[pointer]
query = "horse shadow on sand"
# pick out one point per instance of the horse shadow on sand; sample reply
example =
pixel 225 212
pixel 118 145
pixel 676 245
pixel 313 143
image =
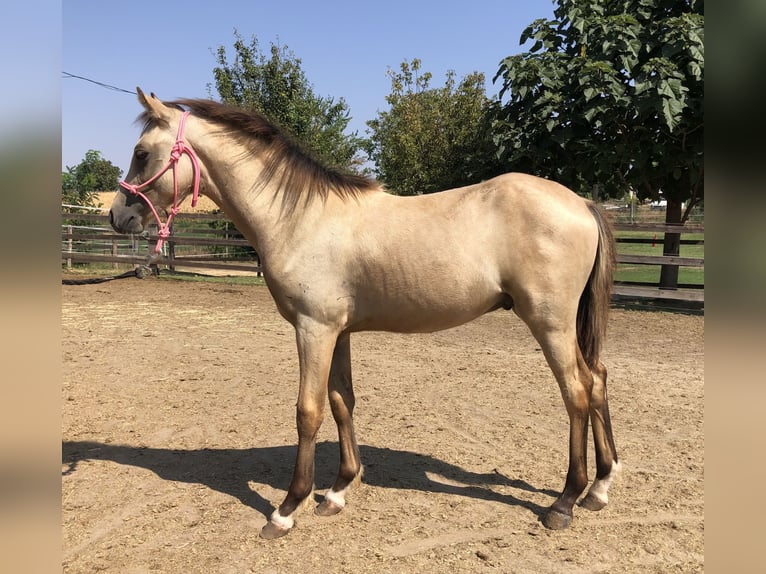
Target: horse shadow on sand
pixel 231 470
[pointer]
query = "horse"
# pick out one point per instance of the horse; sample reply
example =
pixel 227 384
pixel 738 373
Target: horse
pixel 340 255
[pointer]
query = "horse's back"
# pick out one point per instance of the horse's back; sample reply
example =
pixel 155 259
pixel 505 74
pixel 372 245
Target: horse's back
pixel 537 202
pixel 518 199
pixel 439 260
pixel 506 220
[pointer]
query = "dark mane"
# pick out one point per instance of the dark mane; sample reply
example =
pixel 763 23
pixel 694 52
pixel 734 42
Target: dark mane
pixel 299 174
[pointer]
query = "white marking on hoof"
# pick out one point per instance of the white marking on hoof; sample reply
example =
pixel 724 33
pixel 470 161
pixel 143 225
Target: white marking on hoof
pixel 337 498
pixel 284 522
pixel 600 487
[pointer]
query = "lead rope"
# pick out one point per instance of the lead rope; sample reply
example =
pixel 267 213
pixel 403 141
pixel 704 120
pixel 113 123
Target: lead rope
pixel 139 272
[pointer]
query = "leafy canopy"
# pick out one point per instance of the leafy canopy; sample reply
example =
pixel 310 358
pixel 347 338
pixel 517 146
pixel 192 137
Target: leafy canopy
pixel 275 85
pixel 610 95
pixel 80 184
pixel 430 139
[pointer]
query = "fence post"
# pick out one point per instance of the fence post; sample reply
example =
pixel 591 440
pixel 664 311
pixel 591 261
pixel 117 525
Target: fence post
pixel 153 229
pixel 69 246
pixel 171 249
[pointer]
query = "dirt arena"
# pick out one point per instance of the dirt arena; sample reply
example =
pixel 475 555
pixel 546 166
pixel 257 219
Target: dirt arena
pixel 179 439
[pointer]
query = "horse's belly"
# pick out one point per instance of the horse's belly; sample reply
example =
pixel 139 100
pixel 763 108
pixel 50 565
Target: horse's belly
pixel 427 313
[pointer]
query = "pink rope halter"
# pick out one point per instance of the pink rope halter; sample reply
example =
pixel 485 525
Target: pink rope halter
pixel 176 152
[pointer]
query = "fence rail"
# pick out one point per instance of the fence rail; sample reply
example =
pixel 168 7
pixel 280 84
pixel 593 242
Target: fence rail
pixel 694 293
pixel 95 243
pixel 189 247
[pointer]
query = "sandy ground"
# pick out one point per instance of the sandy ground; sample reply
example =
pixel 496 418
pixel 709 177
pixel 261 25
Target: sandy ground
pixel 179 439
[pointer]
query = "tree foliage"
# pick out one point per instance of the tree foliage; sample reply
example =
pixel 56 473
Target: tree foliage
pixel 80 184
pixel 431 138
pixel 276 86
pixel 610 97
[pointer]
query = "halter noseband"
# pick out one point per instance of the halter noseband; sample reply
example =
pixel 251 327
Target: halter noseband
pixel 176 152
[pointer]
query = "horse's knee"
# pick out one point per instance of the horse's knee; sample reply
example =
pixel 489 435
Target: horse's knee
pixel 309 419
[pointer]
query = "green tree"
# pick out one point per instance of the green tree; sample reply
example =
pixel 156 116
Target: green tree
pixel 610 98
pixel 431 138
pixel 80 184
pixel 276 86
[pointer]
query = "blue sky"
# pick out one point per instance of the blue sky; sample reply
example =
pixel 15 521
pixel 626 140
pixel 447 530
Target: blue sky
pixel 345 48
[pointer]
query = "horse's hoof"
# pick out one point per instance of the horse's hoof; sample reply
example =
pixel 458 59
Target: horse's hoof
pixel 272 531
pixel 556 520
pixel 591 502
pixel 327 508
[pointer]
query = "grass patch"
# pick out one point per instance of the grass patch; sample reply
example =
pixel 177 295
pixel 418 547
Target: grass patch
pixel 656 248
pixel 651 273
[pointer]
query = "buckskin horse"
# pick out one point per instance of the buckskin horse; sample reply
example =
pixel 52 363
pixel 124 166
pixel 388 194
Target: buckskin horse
pixel 341 255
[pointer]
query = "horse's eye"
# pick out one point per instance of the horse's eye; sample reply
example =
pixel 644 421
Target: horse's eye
pixel 141 154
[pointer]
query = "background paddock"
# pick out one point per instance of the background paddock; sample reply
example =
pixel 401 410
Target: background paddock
pixel 175 467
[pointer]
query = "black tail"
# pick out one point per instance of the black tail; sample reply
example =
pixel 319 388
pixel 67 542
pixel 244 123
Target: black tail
pixel 593 310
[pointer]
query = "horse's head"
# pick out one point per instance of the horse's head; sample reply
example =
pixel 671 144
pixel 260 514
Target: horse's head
pixel 149 188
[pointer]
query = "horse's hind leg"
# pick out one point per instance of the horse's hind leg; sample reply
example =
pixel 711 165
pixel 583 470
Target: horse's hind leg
pixel 575 381
pixel 607 464
pixel 341 394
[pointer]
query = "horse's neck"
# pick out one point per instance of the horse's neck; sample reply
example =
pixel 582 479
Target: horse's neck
pixel 243 208
pixel 255 210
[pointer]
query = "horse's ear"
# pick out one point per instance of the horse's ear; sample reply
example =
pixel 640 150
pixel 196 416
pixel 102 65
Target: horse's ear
pixel 142 97
pixel 153 105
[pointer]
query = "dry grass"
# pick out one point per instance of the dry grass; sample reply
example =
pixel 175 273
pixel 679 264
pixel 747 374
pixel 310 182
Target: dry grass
pixel 204 205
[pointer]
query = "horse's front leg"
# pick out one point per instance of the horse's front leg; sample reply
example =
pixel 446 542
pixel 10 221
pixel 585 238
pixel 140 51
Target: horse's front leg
pixel 341 395
pixel 315 350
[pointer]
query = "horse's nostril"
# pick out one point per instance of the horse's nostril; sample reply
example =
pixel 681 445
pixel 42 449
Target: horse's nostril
pixel 125 225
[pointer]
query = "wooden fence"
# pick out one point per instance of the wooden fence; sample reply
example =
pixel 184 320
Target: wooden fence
pixel 682 292
pixel 211 242
pixel 198 241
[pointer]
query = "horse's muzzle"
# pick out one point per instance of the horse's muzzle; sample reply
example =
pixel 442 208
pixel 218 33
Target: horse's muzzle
pixel 126 222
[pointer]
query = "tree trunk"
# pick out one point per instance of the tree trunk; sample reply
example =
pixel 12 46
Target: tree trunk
pixel 671 246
